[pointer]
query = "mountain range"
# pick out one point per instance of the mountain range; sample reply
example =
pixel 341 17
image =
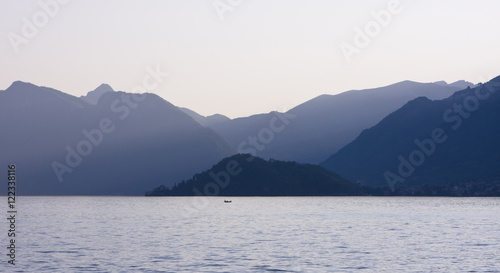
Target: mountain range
pixel 116 143
pixel 429 142
pixel 106 143
pixel 321 126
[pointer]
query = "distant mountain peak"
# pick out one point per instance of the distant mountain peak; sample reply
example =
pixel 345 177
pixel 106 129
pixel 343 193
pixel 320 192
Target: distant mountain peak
pixel 22 89
pixel 20 85
pixel 463 84
pixel 460 84
pixel 19 82
pixel 444 83
pixel 103 88
pixel 93 97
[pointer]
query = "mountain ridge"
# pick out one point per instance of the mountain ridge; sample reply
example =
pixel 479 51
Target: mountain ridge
pixel 120 146
pixel 326 123
pixel 174 142
pixel 461 130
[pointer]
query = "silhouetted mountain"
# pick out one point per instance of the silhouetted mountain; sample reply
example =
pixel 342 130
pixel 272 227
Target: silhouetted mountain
pixel 458 84
pixel 205 121
pixel 244 175
pixel 432 143
pixel 463 84
pixel 93 97
pixel 124 144
pixel 215 119
pixel 316 129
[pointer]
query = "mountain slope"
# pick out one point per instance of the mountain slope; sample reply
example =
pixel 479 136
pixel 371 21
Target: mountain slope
pixel 244 175
pixel 122 145
pixel 318 128
pixel 429 142
pixel 205 121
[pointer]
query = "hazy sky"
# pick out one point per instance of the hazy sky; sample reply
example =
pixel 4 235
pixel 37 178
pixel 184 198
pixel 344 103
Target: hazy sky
pixel 241 57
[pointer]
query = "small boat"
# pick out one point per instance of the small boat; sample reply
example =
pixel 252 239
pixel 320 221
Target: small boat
pixel 227 201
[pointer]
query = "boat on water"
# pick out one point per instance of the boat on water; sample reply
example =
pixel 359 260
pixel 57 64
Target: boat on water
pixel 227 201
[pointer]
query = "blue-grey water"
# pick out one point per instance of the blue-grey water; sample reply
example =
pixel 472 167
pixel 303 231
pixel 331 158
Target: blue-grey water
pixel 280 234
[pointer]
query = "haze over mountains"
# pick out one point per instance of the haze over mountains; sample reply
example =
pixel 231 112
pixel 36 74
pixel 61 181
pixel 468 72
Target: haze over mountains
pixel 122 145
pixel 117 143
pixel 429 142
pixel 320 127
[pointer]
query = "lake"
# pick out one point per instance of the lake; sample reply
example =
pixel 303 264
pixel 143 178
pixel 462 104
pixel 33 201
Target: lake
pixel 255 234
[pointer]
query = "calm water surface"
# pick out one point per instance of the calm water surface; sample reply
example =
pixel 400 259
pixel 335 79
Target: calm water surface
pixel 283 234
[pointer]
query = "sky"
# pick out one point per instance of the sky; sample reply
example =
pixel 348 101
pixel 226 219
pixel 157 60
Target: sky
pixel 243 57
